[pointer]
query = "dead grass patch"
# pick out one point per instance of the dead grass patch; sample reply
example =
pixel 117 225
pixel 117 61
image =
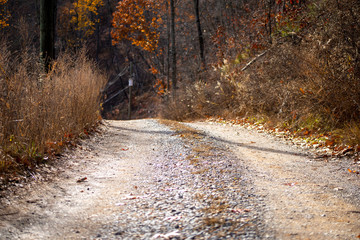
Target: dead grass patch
pixel 201 171
pixel 199 196
pixel 195 161
pixel 216 207
pixel 211 221
pixel 181 129
pixel 41 113
pixel 203 148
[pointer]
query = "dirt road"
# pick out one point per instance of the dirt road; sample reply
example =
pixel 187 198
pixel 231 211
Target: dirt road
pixel 150 179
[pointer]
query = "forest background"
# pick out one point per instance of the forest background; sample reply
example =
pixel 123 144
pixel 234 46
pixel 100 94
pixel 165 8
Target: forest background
pixel 288 64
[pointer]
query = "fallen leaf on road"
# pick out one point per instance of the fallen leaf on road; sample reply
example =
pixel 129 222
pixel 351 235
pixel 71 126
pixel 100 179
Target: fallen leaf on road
pixel 290 184
pixel 353 171
pixel 238 210
pixel 82 179
pixel 131 197
pixel 125 149
pixel 174 218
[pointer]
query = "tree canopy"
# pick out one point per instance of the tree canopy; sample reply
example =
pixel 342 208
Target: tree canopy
pixel 137 21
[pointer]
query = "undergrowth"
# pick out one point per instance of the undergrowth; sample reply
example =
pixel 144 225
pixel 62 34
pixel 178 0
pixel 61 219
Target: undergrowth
pixel 41 113
pixel 307 80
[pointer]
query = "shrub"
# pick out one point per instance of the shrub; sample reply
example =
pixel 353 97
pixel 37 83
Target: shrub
pixel 40 113
pixel 310 78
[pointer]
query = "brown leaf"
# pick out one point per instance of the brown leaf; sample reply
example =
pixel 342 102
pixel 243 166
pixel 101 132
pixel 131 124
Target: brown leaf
pixel 238 210
pixel 329 143
pixel 353 171
pixel 132 197
pixel 82 179
pixel 290 184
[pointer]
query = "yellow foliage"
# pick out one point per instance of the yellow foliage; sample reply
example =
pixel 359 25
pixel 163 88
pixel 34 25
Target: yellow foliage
pixel 85 15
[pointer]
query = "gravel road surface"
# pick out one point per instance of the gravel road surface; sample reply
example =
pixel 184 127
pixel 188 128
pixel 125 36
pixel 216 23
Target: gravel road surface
pixel 155 179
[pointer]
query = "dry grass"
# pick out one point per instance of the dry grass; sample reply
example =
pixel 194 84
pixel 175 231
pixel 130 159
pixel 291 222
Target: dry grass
pixel 40 113
pixel 211 221
pixel 216 207
pixel 201 171
pixel 182 130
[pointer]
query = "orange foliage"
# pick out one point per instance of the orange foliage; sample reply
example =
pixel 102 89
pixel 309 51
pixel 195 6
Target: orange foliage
pixel 4 14
pixel 137 21
pixel 160 87
pixel 153 70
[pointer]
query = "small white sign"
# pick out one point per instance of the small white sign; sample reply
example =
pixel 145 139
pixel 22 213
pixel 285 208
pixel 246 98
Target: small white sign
pixel 131 82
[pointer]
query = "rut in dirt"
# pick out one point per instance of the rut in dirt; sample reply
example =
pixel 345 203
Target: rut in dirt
pixel 150 179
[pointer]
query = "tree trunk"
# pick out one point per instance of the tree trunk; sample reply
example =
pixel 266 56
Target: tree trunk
pixel 270 4
pixel 173 48
pixel 47 31
pixel 168 32
pixel 200 35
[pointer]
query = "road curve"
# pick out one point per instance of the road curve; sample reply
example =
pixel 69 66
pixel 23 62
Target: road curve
pixel 151 179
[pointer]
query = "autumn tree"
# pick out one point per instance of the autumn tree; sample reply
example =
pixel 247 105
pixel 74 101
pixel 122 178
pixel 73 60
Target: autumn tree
pixel 85 16
pixel 140 24
pixel 137 21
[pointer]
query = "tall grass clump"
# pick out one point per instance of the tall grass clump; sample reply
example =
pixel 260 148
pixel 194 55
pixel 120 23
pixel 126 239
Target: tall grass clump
pixel 40 113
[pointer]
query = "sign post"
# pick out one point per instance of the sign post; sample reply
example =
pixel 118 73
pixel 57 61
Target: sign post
pixel 131 83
